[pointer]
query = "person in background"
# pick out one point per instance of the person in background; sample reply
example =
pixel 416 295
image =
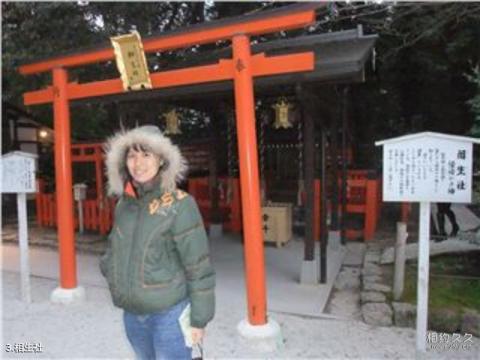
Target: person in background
pixel 157 262
pixel 443 209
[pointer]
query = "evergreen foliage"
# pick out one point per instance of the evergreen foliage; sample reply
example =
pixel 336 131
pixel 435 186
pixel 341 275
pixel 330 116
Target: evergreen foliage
pixel 474 102
pixel 423 53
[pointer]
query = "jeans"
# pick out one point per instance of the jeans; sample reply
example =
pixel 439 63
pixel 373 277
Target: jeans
pixel 158 335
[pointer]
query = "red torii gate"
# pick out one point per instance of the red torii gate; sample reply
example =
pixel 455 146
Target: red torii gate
pixel 242 68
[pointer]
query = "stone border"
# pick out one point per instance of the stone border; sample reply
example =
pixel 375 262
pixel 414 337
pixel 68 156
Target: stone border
pixel 377 309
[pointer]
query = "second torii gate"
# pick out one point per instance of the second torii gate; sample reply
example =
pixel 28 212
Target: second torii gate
pixel 242 69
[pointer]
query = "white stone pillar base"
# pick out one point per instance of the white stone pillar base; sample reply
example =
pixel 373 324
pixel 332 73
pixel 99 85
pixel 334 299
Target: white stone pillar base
pixel 262 338
pixel 68 296
pixel 309 272
pixel 334 240
pixel 215 231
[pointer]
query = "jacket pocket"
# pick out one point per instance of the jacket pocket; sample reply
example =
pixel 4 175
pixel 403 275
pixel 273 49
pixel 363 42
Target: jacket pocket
pixel 157 268
pixel 108 261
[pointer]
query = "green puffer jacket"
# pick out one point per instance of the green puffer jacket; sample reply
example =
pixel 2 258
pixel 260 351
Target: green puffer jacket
pixel 158 252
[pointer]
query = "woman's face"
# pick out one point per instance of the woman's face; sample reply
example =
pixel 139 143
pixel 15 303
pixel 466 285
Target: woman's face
pixel 142 165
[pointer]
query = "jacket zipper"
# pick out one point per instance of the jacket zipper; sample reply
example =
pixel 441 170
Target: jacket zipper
pixel 131 271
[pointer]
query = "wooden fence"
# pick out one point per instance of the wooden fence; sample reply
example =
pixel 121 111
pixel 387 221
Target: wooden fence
pixel 229 201
pixel 363 197
pixel 97 215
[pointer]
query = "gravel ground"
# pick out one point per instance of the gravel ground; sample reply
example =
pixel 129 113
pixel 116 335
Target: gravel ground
pixel 93 329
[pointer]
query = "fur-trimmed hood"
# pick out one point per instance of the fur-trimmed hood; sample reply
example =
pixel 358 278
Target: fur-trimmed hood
pixel 150 136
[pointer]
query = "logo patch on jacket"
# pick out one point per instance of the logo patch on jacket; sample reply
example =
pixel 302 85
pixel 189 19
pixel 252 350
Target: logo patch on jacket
pixel 161 204
pixel 153 206
pixel 180 194
pixel 157 206
pixel 166 199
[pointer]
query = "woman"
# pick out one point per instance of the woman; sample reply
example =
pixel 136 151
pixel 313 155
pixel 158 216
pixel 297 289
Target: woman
pixel 157 261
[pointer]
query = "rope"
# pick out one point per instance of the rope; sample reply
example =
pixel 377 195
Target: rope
pixel 263 120
pixel 301 182
pixel 284 146
pixel 231 142
pixel 300 149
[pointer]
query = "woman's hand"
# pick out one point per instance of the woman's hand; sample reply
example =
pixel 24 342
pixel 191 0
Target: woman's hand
pixel 197 335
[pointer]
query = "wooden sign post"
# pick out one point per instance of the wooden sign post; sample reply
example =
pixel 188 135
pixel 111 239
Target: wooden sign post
pixel 18 176
pixel 426 167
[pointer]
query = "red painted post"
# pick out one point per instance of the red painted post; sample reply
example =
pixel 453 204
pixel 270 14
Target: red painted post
pixel 45 210
pixel 63 180
pixel 249 181
pixel 316 209
pixel 371 203
pixel 103 210
pixel 379 197
pixel 235 207
pixel 52 221
pixel 95 217
pixel 99 187
pixel 38 202
pixel 99 174
pixel 405 212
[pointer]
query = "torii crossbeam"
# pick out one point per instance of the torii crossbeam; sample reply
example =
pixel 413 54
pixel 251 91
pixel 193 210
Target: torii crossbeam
pixel 242 69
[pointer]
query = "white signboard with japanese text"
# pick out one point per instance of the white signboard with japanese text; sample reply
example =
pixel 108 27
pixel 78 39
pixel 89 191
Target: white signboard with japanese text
pixel 18 173
pixel 427 168
pixel 18 176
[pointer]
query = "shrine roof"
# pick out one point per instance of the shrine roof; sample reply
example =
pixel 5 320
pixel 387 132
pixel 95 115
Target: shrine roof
pixel 340 57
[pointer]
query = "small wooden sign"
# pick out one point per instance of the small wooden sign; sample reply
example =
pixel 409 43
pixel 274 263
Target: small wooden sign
pixel 277 223
pixel 131 61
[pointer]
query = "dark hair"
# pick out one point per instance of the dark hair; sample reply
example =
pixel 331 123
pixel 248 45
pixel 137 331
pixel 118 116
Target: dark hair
pixel 138 147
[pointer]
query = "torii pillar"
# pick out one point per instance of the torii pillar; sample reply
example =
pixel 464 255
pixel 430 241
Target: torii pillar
pixel 68 291
pixel 249 180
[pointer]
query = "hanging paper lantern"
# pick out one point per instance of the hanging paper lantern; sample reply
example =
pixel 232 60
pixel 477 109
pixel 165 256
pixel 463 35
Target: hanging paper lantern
pixel 281 114
pixel 173 123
